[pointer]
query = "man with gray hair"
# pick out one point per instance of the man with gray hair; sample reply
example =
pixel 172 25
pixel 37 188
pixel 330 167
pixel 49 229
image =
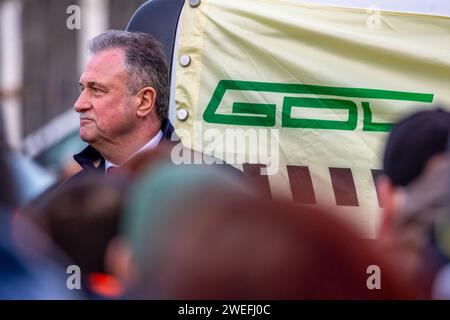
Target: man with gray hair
pixel 124 99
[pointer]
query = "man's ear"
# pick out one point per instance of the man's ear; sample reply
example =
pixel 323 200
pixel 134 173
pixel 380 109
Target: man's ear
pixel 146 101
pixel 390 202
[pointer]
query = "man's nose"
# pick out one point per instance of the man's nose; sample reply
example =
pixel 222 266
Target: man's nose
pixel 82 102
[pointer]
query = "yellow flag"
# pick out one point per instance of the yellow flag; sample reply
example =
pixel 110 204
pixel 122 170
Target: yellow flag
pixel 309 90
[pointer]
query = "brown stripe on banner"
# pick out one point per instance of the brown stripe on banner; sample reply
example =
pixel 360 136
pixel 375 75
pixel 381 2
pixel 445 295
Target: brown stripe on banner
pixel 301 184
pixel 344 187
pixel 256 179
pixel 375 174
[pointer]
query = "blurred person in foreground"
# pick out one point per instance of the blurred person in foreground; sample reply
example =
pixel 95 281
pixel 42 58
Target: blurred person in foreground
pixel 124 99
pixel 414 144
pixel 31 266
pixel 424 227
pixel 81 217
pixel 207 236
pixel 161 188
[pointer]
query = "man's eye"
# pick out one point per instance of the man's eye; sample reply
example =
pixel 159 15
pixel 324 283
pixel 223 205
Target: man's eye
pixel 97 91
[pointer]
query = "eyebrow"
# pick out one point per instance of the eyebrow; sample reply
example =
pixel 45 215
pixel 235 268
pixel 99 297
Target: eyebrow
pixel 92 84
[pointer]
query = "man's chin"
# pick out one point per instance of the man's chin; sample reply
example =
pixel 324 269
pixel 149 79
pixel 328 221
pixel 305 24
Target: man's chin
pixel 87 137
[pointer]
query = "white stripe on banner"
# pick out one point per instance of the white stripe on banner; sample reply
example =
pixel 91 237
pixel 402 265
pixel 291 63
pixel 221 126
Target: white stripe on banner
pixel 432 7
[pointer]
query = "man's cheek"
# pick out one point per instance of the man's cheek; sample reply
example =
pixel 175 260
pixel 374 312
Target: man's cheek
pixel 110 124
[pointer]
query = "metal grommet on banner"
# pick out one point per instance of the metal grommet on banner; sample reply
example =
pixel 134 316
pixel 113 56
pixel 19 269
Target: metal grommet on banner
pixel 182 114
pixel 194 3
pixel 185 60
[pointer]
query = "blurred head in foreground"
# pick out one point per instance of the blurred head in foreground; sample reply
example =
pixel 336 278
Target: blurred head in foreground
pixel 412 143
pixel 246 249
pixel 421 241
pixel 163 190
pixel 81 217
pixel 195 233
pixel 412 191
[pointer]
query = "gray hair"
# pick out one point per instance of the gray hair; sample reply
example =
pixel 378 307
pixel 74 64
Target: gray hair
pixel 144 60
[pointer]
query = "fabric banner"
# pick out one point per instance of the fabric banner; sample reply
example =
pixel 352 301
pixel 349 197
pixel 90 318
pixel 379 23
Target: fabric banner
pixel 309 90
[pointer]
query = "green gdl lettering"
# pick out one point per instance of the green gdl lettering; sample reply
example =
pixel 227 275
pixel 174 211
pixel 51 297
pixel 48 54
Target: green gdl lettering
pixel 257 114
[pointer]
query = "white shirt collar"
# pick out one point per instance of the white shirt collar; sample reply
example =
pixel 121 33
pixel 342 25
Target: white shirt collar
pixel 150 145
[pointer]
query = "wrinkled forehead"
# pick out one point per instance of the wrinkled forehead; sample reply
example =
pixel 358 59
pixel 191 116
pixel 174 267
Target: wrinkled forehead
pixel 104 65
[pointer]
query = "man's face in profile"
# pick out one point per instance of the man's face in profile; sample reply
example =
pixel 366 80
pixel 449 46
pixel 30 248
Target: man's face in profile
pixel 105 104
